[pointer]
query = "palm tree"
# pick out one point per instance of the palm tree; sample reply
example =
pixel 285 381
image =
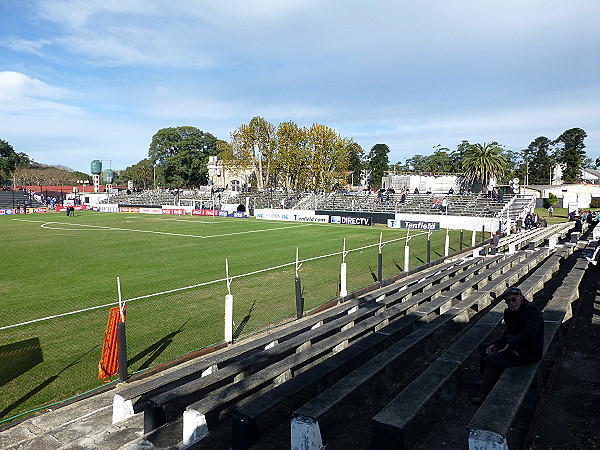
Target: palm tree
pixel 483 162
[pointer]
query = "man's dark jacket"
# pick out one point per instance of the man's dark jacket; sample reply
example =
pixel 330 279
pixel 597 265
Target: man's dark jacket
pixel 524 331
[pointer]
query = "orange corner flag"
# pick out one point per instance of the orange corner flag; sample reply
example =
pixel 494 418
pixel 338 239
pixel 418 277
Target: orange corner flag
pixel 108 362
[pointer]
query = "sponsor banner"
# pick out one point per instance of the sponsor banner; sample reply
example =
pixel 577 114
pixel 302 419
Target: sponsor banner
pixel 129 209
pixel 42 209
pixel 174 211
pixel 105 208
pixel 414 225
pixel 4 212
pixel 313 218
pixel 219 213
pixel 151 210
pixel 274 214
pixel 351 220
pixel 290 215
pixel 62 208
pixel 205 212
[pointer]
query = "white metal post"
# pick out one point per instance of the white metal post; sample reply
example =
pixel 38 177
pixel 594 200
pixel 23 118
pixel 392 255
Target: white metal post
pixel 447 245
pixel 343 289
pixel 228 308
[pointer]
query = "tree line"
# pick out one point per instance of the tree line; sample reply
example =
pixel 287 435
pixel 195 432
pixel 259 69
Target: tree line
pixel 288 156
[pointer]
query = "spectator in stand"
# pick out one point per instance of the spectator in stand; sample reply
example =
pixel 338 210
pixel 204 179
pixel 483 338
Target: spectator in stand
pixel 445 205
pixel 521 343
pixel 494 243
pixel 451 191
pixel 416 191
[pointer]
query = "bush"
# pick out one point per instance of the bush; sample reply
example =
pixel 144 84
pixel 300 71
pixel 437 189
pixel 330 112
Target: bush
pixel 551 200
pixel 595 203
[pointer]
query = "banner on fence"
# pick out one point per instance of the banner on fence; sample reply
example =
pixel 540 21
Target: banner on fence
pixel 105 208
pixel 291 215
pixel 108 364
pixel 352 220
pixel 173 211
pixel 414 225
pixel 219 213
pixel 129 209
pixel 151 210
pixel 63 208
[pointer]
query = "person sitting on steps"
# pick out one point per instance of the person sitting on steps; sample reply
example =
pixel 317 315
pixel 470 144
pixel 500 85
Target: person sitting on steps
pixel 521 343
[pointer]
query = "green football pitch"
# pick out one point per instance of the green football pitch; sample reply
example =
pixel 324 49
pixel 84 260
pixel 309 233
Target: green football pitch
pixel 59 280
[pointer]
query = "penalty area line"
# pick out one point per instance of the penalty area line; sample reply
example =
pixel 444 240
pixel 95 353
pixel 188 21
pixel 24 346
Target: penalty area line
pixel 99 227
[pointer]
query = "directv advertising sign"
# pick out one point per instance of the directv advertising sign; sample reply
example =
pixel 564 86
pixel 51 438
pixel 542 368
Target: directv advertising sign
pixel 350 220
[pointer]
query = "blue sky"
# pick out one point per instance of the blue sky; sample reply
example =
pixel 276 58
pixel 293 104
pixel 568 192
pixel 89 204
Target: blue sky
pixel 96 79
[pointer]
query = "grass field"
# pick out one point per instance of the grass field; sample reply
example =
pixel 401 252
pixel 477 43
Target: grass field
pixel 54 265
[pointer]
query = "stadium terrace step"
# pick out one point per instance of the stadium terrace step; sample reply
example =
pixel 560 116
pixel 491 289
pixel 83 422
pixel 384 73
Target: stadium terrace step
pixel 392 362
pixel 200 416
pixel 491 425
pixel 396 425
pixel 131 397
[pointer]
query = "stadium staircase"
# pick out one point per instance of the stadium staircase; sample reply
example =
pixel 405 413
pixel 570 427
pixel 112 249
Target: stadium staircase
pixel 336 377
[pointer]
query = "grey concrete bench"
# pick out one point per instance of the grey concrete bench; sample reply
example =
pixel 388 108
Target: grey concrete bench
pixel 345 323
pixel 198 416
pixel 372 375
pixel 245 421
pixel 130 398
pixel 397 423
pixel 490 426
pixel 522 239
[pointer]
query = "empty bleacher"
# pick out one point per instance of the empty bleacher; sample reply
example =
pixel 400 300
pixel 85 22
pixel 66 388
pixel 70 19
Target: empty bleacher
pixel 375 371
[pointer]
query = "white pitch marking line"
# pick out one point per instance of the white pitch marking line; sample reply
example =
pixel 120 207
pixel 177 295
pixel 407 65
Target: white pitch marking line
pixel 45 225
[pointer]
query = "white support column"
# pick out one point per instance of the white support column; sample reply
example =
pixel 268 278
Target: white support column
pixel 194 426
pixel 343 289
pixel 229 318
pixel 447 245
pixel 406 257
pixel 122 409
pixel 473 238
pixel 228 308
pixel 306 434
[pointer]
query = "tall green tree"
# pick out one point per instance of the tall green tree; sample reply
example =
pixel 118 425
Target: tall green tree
pixel 293 157
pixel 255 145
pixel 570 152
pixel 378 162
pixel 417 163
pixel 538 160
pixel 355 162
pixel 329 156
pixel 484 162
pixel 141 173
pixel 10 160
pixel 181 154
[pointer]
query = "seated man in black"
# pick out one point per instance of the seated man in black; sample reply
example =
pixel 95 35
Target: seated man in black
pixel 521 343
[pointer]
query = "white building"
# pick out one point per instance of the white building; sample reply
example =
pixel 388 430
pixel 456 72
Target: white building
pixel 226 178
pixel 437 183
